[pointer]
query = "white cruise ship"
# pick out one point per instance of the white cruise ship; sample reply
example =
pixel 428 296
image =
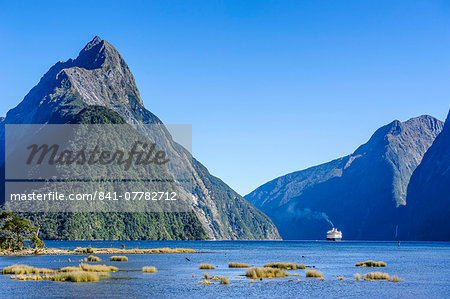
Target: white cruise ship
pixel 334 235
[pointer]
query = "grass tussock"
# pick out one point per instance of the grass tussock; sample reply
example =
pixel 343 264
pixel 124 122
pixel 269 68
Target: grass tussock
pixel 341 278
pixel 93 258
pixel 149 269
pixel 357 276
pixel 238 265
pixel 207 266
pixel 313 273
pixel 118 258
pixel 265 272
pixel 97 268
pixel 370 264
pixel 80 276
pixel 285 266
pixel 376 276
pixel 24 269
pixel 31 277
pixel 224 280
pixel 395 278
pixel 70 269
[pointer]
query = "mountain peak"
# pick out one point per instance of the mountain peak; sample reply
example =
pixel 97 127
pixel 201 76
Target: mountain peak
pixel 98 53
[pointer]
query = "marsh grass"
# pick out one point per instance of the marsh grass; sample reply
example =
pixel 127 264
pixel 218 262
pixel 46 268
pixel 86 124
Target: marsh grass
pixel 224 280
pixel 70 269
pixel 80 276
pixel 395 278
pixel 370 264
pixel 357 276
pixel 24 269
pixel 97 268
pixel 31 277
pixel 207 266
pixel 376 276
pixel 265 272
pixel 149 269
pixel 313 273
pixel 341 278
pixel 93 258
pixel 285 266
pixel 118 258
pixel 238 265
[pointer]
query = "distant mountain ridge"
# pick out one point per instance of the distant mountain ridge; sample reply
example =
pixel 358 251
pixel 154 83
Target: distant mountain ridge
pixel 360 193
pixel 99 76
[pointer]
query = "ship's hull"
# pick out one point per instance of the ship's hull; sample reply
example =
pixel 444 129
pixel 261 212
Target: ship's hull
pixel 334 239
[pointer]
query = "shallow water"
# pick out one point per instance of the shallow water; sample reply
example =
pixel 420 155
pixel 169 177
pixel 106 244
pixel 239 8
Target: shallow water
pixel 425 266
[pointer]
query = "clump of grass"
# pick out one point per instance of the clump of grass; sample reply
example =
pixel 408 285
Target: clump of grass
pixel 119 258
pixel 265 272
pixel 357 276
pixel 285 266
pixel 149 269
pixel 224 280
pixel 238 265
pixel 207 266
pixel 206 276
pixel 341 278
pixel 205 282
pixel 370 264
pixel 24 269
pixel 93 258
pixel 70 269
pixel 31 277
pixel 313 273
pixel 80 276
pixel 395 278
pixel 97 268
pixel 376 276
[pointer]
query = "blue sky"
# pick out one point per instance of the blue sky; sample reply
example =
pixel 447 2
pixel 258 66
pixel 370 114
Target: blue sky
pixel 269 87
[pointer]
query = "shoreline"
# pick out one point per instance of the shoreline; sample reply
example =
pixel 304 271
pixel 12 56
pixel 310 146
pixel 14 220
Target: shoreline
pixel 88 250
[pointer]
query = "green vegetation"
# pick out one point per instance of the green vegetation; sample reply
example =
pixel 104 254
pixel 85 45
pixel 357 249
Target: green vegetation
pixel 207 266
pixel 14 230
pixel 238 265
pixel 265 272
pixel 370 264
pixel 118 258
pixel 357 276
pixel 285 266
pixel 24 269
pixel 313 273
pixel 376 276
pixel 149 269
pixel 93 258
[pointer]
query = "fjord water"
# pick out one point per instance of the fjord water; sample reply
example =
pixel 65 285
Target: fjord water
pixel 425 266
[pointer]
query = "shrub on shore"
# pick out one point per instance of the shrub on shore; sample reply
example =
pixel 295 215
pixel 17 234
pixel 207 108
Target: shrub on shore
pixel 24 269
pixel 370 264
pixel 238 265
pixel 285 266
pixel 93 258
pixel 149 269
pixel 313 273
pixel 207 266
pixel 376 276
pixel 265 272
pixel 118 258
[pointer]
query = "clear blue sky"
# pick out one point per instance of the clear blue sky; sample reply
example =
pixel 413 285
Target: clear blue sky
pixel 270 87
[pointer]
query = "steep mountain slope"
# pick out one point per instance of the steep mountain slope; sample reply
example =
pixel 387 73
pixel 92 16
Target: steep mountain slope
pixel 99 76
pixel 359 193
pixel 426 214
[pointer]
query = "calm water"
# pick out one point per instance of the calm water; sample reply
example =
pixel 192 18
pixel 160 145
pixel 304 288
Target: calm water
pixel 425 266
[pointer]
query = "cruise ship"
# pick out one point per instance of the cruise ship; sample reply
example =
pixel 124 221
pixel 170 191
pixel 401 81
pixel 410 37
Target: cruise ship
pixel 334 235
